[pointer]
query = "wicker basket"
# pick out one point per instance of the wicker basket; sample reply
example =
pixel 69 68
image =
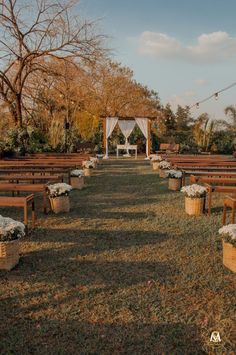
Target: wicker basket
pixel 9 254
pixel 87 172
pixel 194 206
pixel 175 184
pixel 229 256
pixel 155 165
pixel 162 173
pixel 60 204
pixel 77 182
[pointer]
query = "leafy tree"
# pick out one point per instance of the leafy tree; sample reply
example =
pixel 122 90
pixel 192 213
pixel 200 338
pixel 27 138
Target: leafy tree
pixel 33 31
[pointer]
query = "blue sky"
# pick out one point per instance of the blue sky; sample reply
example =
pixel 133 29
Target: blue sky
pixel 185 50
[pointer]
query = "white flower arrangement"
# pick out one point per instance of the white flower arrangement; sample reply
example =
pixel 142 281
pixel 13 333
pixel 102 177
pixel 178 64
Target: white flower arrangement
pixel 10 229
pixel 164 165
pixel 100 156
pixel 194 191
pixel 77 173
pixel 87 164
pixel 174 174
pixel 156 158
pixel 93 159
pixel 59 189
pixel 229 233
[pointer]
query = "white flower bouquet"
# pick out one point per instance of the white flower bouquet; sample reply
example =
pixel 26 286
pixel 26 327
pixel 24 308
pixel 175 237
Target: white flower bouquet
pixel 174 174
pixel 194 191
pixel 164 165
pixel 87 164
pixel 229 234
pixel 10 229
pixel 59 189
pixel 77 173
pixel 156 158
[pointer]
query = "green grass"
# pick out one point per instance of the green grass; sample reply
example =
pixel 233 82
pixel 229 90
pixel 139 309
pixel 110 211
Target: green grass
pixel 125 272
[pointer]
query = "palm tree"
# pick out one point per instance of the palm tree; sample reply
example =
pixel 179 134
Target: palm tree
pixel 203 130
pixel 230 111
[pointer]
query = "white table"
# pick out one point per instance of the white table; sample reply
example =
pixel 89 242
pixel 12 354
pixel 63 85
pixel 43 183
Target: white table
pixel 126 147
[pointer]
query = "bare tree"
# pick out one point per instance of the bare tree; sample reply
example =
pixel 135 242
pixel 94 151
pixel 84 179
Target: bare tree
pixel 33 32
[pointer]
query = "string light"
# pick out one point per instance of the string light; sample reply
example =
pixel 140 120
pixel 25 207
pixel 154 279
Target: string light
pixel 215 95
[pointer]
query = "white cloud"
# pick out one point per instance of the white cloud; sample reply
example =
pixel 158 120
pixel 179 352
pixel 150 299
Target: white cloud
pixel 211 47
pixel 201 82
pixel 189 93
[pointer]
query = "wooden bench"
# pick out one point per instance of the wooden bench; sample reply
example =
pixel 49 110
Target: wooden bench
pixel 27 188
pixel 209 171
pixel 220 189
pixel 32 178
pixel 168 148
pixel 23 202
pixel 212 180
pixel 231 203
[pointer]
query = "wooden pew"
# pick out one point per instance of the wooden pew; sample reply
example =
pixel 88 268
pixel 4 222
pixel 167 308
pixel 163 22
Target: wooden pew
pixel 220 189
pixel 23 202
pixel 209 171
pixel 168 148
pixel 35 170
pixel 212 180
pixel 27 188
pixel 231 203
pixel 32 178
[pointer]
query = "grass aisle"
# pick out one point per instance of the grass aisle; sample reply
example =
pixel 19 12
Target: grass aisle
pixel 125 272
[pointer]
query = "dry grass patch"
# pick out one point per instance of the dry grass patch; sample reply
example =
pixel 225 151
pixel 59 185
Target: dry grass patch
pixel 125 272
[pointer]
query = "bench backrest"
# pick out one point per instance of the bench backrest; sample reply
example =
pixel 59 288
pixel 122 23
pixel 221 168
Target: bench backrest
pixel 169 146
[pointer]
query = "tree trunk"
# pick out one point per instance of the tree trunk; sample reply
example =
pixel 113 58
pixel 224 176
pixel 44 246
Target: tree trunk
pixel 19 111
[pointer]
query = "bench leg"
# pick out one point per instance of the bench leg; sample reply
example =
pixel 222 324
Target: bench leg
pixel 209 202
pixel 224 215
pixel 26 217
pixel 33 215
pixel 233 214
pixel 45 202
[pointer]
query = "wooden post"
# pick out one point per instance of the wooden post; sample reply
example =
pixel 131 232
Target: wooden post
pixel 149 137
pixel 104 134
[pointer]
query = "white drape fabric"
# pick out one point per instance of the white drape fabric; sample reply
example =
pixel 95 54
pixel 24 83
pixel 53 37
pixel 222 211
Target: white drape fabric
pixel 143 125
pixel 126 127
pixel 110 125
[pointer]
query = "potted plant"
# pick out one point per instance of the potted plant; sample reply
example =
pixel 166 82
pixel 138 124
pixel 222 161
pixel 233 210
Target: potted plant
pixel 155 161
pixel 163 167
pixel 229 246
pixel 175 179
pixel 87 166
pixel 77 179
pixel 194 199
pixel 94 161
pixel 59 197
pixel 10 233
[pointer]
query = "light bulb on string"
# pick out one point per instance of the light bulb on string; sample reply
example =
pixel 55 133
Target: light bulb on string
pixel 216 96
pixel 197 105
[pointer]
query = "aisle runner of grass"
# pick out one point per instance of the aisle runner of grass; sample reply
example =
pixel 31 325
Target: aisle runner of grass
pixel 125 272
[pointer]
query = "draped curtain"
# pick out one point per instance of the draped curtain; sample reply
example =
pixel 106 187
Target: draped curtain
pixel 110 125
pixel 143 125
pixel 126 127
